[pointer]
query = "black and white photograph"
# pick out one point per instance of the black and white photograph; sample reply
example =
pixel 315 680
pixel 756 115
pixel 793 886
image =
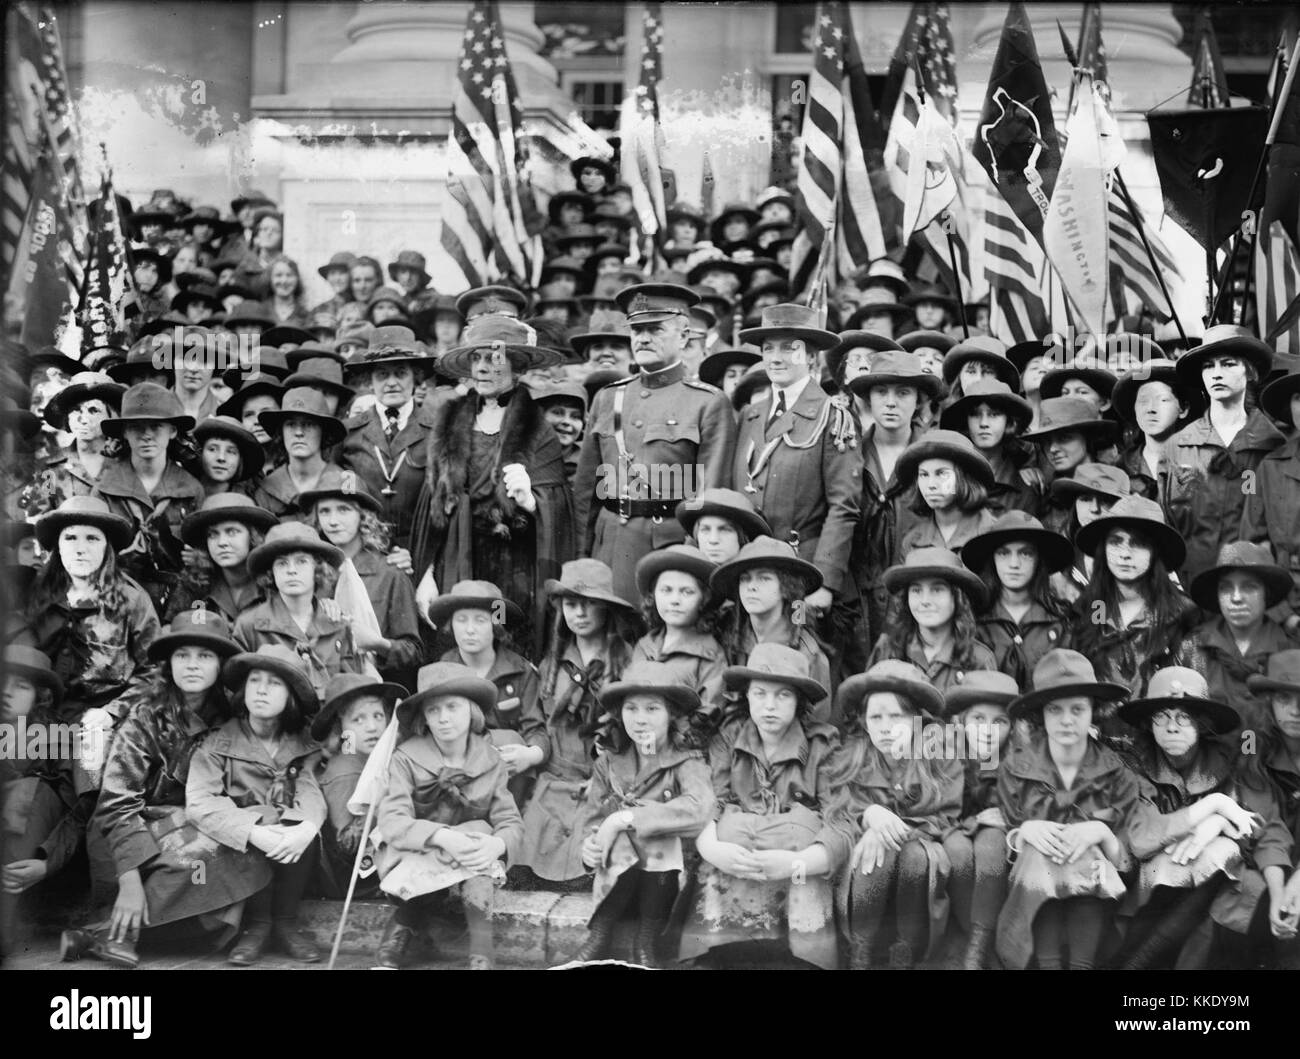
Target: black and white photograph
pixel 607 487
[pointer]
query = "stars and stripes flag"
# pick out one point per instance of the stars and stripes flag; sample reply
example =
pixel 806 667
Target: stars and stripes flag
pixel 924 130
pixel 842 183
pixel 108 276
pixel 1209 79
pixel 642 146
pixel 1133 286
pixel 489 223
pixel 1277 246
pixel 1014 267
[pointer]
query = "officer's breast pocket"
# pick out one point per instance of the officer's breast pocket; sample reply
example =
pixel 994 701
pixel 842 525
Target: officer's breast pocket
pixel 672 438
pixel 603 424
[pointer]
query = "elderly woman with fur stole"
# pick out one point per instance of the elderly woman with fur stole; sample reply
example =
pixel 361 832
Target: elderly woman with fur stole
pixel 496 504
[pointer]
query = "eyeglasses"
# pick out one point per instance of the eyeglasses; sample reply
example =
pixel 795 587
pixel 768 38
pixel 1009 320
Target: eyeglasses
pixel 1178 717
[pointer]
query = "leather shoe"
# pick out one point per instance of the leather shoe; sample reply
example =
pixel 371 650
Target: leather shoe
pixel 118 953
pixel 250 945
pixel 74 944
pixel 395 945
pixel 295 943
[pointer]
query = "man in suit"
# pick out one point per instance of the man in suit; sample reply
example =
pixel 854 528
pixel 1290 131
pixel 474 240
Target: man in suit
pixel 386 444
pixel 797 456
pixel 652 440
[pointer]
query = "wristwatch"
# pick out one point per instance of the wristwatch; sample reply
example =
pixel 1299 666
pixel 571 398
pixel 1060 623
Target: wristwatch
pixel 626 819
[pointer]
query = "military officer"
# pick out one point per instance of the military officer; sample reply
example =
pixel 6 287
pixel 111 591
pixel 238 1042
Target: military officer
pixel 652 440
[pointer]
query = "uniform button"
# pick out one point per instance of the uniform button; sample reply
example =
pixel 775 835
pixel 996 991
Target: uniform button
pixel 1019 639
pixel 645 393
pixel 636 422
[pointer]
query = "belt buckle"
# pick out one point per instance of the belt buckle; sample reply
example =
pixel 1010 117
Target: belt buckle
pixel 624 508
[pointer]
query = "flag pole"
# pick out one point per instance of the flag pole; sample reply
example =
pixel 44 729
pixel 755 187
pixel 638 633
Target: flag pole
pixel 947 220
pixel 1279 105
pixel 352 885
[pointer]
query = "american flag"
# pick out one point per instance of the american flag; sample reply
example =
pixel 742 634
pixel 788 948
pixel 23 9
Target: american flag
pixel 841 174
pixel 1277 262
pixel 1209 80
pixel 489 223
pixel 108 277
pixel 1132 281
pixel 1014 266
pixel 925 125
pixel 642 137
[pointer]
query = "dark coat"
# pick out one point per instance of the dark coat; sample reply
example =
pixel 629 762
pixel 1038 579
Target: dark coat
pixel 807 485
pixel 1226 669
pixel 360 452
pixel 944 671
pixel 445 530
pixel 1018 646
pixel 515 679
pixel 278 495
pixel 393 598
pixel 326 646
pixel 1272 515
pixel 1209 485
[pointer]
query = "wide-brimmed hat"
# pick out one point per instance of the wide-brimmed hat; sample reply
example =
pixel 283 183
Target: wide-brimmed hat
pixel 254 385
pixel 717 263
pixel 343 259
pixel 764 553
pixel 302 402
pixel 224 507
pixel 586 579
pixel 568 198
pixel 1179 688
pixel 1281 674
pixel 342 690
pixel 731 209
pixel 392 345
pixel 1089 478
pixel 139 361
pixel 23 661
pixel 447 678
pixel 993 392
pixel 604 325
pixel 206 215
pixel 877 301
pixel 734 506
pixel 931 294
pixel 1086 370
pixel 1247 558
pixel 565 264
pixel 1224 340
pixel 683 557
pixel 251 454
pixel 1055 551
pixel 286 537
pixel 940 564
pixel 512 338
pixel 492 300
pixel 410 259
pixel 603 164
pixel 562 393
pixel 200 293
pixel 985 349
pixel 251 314
pixel 325 374
pixel 790 321
pixel 1057 414
pixel 284 663
pixel 147 255
pixel 715 365
pixel 894 675
pixel 196 627
pixel 944 445
pixel 147 402
pixel 84 386
pixel 267 360
pixel 754 378
pixel 922 339
pixel 1062 673
pixel 1147 517
pixel 349 490
pixel 474 595
pixel 980 687
pixel 1123 397
pixel 314 350
pixel 779 664
pixel 882 272
pixel 878 344
pixel 286 335
pixel 644 677
pixel 684 211
pixel 577 233
pixel 250 198
pixel 84 511
pixel 1021 353
pixel 1275 398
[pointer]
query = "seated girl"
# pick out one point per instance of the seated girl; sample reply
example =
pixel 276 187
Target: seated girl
pixel 952 480
pixel 480 620
pixel 252 783
pixel 1067 798
pixel 932 624
pixel 1190 826
pixel 355 713
pixel 591 644
pixel 296 571
pixel 774 845
pixel 673 583
pixel 230 456
pixel 980 705
pixel 905 805
pixel 447 819
pixel 220 535
pixel 1089 494
pixel 647 793
pixel 721 522
pixel 766 583
pixel 155 851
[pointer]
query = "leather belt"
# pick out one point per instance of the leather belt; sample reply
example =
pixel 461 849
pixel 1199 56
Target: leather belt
pixel 625 509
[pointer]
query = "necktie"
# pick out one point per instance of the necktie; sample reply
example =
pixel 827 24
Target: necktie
pixel 390 425
pixel 779 410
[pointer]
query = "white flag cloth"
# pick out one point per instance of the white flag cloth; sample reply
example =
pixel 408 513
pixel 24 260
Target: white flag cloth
pixel 1076 237
pixel 353 599
pixel 372 784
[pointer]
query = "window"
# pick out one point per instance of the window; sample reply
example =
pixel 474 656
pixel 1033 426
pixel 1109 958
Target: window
pixel 597 102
